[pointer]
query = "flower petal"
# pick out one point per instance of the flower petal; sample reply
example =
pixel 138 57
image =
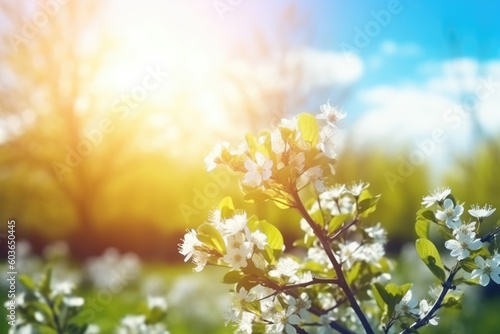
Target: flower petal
pixel 476 244
pixel 448 203
pixel 484 280
pixel 480 262
pixel 452 244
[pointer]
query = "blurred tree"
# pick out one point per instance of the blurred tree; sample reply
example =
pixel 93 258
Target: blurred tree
pixel 67 152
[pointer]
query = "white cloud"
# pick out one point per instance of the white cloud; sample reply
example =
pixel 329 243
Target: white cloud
pixel 391 48
pixel 324 68
pixel 400 114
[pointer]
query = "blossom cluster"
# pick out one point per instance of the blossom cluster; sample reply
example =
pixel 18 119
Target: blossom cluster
pixel 340 281
pixel 150 323
pixel 462 237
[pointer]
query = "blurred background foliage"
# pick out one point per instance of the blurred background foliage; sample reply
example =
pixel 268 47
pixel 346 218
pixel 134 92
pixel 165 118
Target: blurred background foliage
pixel 141 183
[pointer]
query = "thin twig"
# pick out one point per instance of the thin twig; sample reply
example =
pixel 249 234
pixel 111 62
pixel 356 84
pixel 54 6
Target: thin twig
pixel 447 286
pixel 336 265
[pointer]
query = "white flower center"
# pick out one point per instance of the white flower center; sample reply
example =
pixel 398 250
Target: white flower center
pixel 449 212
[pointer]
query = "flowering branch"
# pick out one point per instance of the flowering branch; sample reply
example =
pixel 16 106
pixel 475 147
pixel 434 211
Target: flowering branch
pixel 447 286
pixel 347 253
pixel 336 265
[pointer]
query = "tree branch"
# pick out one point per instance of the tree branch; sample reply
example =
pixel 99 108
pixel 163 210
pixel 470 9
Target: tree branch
pixel 437 305
pixel 336 265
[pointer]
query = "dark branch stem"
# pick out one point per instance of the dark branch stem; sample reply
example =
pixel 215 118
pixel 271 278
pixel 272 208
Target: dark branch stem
pixel 336 265
pixel 447 286
pixel 343 229
pixel 490 236
pixel 314 310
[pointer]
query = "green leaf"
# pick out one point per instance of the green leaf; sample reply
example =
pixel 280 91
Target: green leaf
pixel 256 196
pixel 392 294
pixel 155 315
pixel 422 228
pixel 251 143
pixel 247 282
pixel 45 283
pixel 467 281
pixel 253 307
pixel 367 206
pixel 274 237
pixel 468 264
pixel 226 207
pixel 309 128
pixel 430 255
pixel 337 221
pixel 378 298
pixel 353 273
pixel 27 282
pixel 232 276
pixel 446 233
pixel 426 214
pixel 208 234
pixel 318 217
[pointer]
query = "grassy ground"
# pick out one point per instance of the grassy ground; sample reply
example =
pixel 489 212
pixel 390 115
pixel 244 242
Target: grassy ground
pixel 197 302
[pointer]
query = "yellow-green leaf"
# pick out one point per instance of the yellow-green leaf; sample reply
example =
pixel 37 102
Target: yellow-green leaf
pixel 422 228
pixel 309 128
pixel 430 255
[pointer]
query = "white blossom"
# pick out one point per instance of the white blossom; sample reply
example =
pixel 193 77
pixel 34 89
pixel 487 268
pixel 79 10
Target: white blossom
pixel 277 142
pixel 159 302
pixel 189 243
pixel 235 241
pixel 298 305
pixel 62 288
pixel 213 158
pixel 462 244
pixel 73 301
pixel 200 259
pixel 258 171
pixel 259 261
pixel 315 177
pixel 451 214
pixel 289 123
pixel 437 196
pixel 488 268
pixel 425 308
pixel 407 305
pixel 377 233
pixel 348 253
pixel 480 213
pixel 237 257
pixel 285 267
pixel 371 253
pixel 325 320
pixel 258 238
pixel 327 143
pixel 465 228
pixel 357 188
pixel 331 114
pixel 234 225
pixel 284 322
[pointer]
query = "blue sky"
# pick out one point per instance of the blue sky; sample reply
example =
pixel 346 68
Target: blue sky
pixel 435 30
